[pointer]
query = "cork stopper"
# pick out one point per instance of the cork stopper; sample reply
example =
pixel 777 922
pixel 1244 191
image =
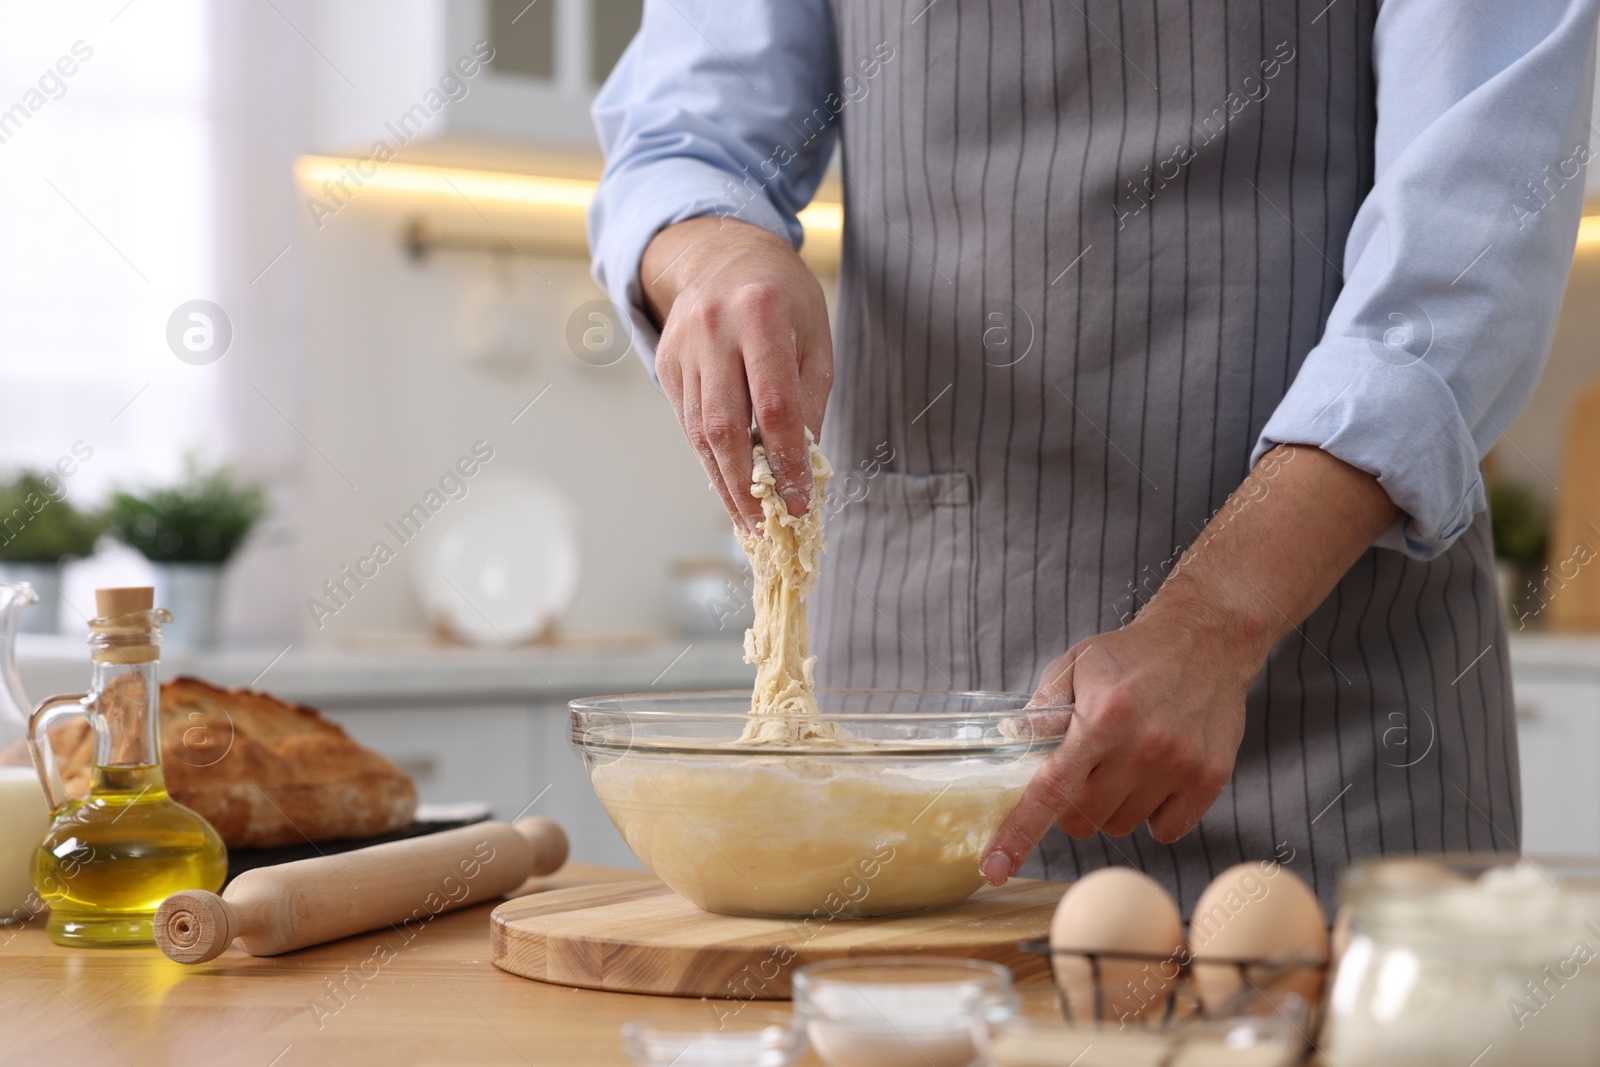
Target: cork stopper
pixel 126 600
pixel 126 623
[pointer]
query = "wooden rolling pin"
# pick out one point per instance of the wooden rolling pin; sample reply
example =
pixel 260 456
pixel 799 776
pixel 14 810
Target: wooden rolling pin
pixel 277 909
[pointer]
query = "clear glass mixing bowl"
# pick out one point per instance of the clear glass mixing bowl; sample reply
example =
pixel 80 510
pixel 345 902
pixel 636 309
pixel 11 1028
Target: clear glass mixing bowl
pixel 888 813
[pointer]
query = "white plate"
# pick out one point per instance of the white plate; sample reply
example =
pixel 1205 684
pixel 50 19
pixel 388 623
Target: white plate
pixel 502 565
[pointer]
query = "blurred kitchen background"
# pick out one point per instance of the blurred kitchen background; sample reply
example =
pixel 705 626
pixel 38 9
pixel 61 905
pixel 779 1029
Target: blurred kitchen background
pixel 221 298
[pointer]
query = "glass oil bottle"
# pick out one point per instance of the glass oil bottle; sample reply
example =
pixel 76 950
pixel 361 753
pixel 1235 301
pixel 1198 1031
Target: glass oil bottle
pixel 111 856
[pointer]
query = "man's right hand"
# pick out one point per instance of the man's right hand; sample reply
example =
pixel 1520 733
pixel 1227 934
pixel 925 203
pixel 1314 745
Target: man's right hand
pixel 744 332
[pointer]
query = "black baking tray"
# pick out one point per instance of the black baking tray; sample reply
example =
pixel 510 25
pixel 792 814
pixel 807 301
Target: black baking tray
pixel 248 859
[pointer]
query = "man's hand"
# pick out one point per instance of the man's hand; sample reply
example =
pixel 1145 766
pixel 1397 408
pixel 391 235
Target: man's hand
pixel 1157 719
pixel 1159 705
pixel 745 332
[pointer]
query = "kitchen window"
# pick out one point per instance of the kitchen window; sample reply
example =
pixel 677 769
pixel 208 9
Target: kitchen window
pixel 107 184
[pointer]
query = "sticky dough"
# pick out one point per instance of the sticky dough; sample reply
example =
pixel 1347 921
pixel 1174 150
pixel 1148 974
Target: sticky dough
pixel 784 555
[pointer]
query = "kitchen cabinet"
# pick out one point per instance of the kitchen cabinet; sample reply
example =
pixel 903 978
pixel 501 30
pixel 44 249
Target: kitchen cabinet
pixel 569 799
pixel 423 81
pixel 550 58
pixel 512 756
pixel 452 752
pixel 1558 735
pixel 495 727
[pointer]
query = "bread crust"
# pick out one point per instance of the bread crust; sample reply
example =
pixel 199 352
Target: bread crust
pixel 264 772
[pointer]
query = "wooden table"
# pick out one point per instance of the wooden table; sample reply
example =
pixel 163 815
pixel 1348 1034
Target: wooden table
pixel 437 1001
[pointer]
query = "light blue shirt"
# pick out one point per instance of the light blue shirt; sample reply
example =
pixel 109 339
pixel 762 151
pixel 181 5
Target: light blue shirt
pixel 1456 259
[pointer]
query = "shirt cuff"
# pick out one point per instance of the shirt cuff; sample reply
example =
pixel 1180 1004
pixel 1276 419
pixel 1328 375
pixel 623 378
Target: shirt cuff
pixel 635 204
pixel 1399 422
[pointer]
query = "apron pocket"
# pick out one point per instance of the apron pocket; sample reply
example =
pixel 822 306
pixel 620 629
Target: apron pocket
pixel 894 606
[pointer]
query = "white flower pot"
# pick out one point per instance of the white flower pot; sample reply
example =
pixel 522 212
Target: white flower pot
pixel 193 593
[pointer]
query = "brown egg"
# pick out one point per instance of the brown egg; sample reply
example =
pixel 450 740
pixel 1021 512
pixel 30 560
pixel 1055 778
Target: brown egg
pixel 1256 911
pixel 1116 909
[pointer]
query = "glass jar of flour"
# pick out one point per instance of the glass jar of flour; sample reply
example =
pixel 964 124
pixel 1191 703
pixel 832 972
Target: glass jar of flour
pixel 1457 960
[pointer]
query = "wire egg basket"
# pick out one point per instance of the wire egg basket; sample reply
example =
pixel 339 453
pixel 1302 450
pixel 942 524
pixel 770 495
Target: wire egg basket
pixel 1163 991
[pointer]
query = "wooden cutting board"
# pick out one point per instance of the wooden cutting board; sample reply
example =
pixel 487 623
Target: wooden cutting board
pixel 641 937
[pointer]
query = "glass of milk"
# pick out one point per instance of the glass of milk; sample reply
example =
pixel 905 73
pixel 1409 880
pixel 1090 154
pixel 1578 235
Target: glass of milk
pixel 23 822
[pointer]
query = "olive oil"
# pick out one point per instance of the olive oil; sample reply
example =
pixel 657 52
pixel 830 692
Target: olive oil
pixel 113 856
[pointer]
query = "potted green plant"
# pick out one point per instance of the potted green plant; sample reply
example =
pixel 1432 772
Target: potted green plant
pixel 189 531
pixel 39 531
pixel 1521 523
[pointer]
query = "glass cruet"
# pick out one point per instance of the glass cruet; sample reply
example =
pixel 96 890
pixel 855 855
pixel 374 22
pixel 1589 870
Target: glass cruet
pixel 24 815
pixel 110 857
pixel 14 704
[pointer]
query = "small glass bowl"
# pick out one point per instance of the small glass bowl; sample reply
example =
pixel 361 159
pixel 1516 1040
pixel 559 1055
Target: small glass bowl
pixel 925 1010
pixel 750 1038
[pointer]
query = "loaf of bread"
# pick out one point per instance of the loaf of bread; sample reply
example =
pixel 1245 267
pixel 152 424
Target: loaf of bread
pixel 262 771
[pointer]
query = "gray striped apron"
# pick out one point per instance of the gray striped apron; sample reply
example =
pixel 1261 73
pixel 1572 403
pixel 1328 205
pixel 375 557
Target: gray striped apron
pixel 1064 332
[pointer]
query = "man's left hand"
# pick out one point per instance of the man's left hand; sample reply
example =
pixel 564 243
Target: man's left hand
pixel 1157 719
pixel 1159 705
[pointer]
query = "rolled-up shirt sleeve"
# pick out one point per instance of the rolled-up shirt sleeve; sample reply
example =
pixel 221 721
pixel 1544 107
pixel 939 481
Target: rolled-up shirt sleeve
pixel 715 108
pixel 1457 259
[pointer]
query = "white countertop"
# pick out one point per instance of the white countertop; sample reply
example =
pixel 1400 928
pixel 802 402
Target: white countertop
pixel 405 670
pixel 1566 654
pixel 402 670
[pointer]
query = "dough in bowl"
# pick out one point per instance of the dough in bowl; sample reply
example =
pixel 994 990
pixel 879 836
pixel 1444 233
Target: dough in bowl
pixel 810 834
